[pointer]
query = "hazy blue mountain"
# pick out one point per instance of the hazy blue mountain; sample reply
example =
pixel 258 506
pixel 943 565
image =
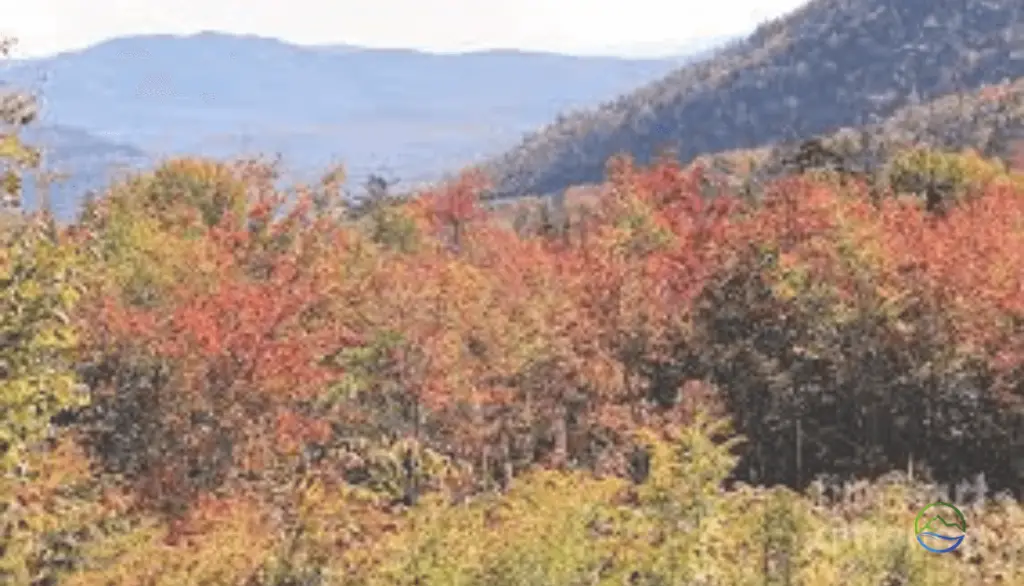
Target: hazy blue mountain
pixel 65 144
pixel 403 113
pixel 79 162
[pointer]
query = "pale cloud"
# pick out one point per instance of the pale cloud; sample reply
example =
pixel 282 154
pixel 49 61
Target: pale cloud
pixel 574 26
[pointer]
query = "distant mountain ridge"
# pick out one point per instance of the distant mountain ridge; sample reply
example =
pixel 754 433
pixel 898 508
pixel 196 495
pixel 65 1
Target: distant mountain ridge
pixel 399 112
pixel 80 162
pixel 63 144
pixel 830 64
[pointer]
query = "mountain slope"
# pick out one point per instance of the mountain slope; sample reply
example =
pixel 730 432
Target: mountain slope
pixel 413 113
pixel 64 144
pixel 832 63
pixel 989 121
pixel 81 162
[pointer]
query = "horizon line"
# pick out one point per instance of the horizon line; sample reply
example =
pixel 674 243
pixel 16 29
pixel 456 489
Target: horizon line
pixel 659 50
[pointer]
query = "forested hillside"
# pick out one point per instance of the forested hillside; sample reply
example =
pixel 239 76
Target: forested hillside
pixel 831 64
pixel 750 367
pixel 206 381
pixel 989 122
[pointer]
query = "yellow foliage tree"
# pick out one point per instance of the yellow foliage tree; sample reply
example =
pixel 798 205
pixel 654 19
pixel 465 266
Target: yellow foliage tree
pixel 38 289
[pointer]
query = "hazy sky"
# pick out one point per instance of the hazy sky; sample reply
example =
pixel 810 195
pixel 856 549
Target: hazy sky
pixel 572 26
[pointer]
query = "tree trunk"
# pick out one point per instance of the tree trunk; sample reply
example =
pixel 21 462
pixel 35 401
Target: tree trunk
pixel 561 436
pixel 506 454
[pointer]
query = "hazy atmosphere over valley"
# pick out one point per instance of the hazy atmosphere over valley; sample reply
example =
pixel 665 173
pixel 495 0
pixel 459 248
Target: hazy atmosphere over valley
pixel 403 90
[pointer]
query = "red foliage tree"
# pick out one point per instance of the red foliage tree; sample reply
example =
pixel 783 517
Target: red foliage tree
pixel 246 351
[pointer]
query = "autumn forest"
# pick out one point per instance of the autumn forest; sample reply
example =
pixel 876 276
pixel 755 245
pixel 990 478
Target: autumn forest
pixel 672 377
pixel 209 380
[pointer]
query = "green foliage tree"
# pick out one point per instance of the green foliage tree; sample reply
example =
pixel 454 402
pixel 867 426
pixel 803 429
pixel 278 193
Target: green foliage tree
pixel 942 179
pixel 17 109
pixel 38 291
pixel 39 282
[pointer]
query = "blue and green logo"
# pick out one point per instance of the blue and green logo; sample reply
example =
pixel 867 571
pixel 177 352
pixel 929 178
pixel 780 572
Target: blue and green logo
pixel 940 527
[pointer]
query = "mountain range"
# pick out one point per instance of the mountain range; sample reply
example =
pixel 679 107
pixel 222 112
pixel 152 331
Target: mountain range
pixel 400 113
pixel 910 70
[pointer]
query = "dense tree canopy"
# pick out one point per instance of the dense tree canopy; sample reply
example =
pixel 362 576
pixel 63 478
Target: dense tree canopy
pixel 209 380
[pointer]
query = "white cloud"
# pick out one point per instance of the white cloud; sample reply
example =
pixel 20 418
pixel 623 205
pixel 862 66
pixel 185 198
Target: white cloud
pixel 578 26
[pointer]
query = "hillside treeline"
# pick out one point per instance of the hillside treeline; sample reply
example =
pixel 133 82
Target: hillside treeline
pixel 208 380
pixel 827 65
pixel 987 121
